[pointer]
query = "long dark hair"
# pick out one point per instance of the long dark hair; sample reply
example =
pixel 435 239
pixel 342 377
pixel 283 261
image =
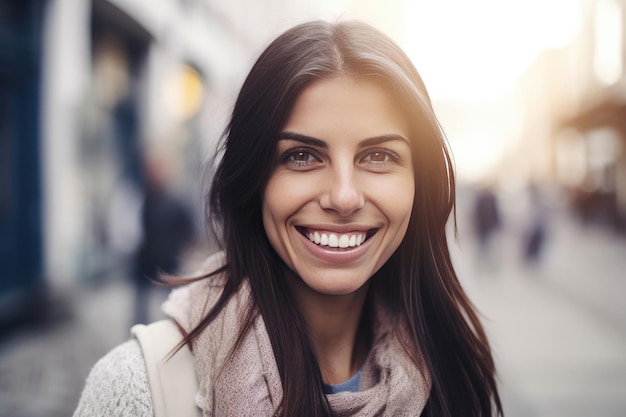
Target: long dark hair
pixel 419 286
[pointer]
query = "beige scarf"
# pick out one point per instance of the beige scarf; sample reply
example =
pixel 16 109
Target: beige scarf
pixel 248 383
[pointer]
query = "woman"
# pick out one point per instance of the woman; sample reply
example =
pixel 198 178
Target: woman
pixel 335 294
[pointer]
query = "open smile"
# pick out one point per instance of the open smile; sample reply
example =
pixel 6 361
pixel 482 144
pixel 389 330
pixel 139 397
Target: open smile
pixel 336 240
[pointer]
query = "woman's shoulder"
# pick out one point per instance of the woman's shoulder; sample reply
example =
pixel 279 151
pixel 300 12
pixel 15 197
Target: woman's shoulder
pixel 186 304
pixel 117 385
pixel 210 272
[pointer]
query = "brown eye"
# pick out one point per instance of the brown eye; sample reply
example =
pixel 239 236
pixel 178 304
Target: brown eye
pixel 300 159
pixel 300 156
pixel 377 157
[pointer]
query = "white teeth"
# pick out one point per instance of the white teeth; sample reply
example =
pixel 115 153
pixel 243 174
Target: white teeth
pixel 336 241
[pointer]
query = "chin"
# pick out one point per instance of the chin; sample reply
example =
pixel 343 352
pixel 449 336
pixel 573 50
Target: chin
pixel 339 285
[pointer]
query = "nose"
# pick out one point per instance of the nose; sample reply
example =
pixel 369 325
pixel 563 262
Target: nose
pixel 343 193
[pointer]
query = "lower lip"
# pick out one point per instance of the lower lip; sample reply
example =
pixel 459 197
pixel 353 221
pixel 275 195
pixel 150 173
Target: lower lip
pixel 336 255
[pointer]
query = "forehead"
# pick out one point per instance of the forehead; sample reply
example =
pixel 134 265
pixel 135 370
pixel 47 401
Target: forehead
pixel 347 107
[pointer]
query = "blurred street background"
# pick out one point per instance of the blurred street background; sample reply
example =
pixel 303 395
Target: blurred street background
pixel 110 111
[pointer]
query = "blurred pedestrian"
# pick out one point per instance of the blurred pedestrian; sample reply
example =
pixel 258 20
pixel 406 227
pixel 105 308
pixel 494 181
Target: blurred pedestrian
pixel 535 233
pixel 167 231
pixel 335 293
pixel 486 221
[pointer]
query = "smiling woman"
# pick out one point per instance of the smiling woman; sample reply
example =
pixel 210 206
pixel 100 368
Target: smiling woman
pixel 334 293
pixel 343 173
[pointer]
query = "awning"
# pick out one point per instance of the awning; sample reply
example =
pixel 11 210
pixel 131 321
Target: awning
pixel 608 112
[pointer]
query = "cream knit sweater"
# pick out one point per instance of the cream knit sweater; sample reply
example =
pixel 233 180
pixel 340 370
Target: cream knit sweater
pixel 117 385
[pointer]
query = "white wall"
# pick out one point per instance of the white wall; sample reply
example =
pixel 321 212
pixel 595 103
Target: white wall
pixel 65 69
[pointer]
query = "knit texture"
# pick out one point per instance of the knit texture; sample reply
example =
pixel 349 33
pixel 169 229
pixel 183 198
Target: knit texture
pixel 117 385
pixel 247 382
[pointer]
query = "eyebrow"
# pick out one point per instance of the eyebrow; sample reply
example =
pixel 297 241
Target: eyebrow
pixel 309 140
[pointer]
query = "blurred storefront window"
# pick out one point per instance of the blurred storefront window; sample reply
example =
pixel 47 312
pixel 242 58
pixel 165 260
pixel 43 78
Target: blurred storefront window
pixel 571 158
pixel 112 138
pixel 188 94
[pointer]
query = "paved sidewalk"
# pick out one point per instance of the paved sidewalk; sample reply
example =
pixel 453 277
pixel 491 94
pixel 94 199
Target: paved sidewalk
pixel 43 367
pixel 557 329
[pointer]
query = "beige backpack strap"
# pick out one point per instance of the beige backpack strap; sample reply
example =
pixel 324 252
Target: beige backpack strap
pixel 173 380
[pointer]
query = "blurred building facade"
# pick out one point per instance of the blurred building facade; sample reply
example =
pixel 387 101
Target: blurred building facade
pixel 591 139
pixel 88 89
pixel 572 105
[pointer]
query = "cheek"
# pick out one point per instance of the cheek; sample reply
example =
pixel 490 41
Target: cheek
pixel 397 198
pixel 400 215
pixel 271 223
pixel 271 210
pixel 280 197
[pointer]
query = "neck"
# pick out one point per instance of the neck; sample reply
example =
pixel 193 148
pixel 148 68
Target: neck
pixel 333 324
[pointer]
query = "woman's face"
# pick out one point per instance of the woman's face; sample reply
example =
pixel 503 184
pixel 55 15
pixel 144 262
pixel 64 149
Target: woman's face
pixel 338 202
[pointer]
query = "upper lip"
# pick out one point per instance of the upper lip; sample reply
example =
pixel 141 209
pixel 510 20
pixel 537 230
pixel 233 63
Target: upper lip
pixel 337 228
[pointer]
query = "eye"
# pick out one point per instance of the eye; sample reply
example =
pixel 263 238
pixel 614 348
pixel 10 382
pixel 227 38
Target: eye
pixel 380 158
pixel 299 158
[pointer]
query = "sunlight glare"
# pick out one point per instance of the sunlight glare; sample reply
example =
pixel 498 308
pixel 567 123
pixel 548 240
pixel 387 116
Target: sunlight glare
pixel 477 50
